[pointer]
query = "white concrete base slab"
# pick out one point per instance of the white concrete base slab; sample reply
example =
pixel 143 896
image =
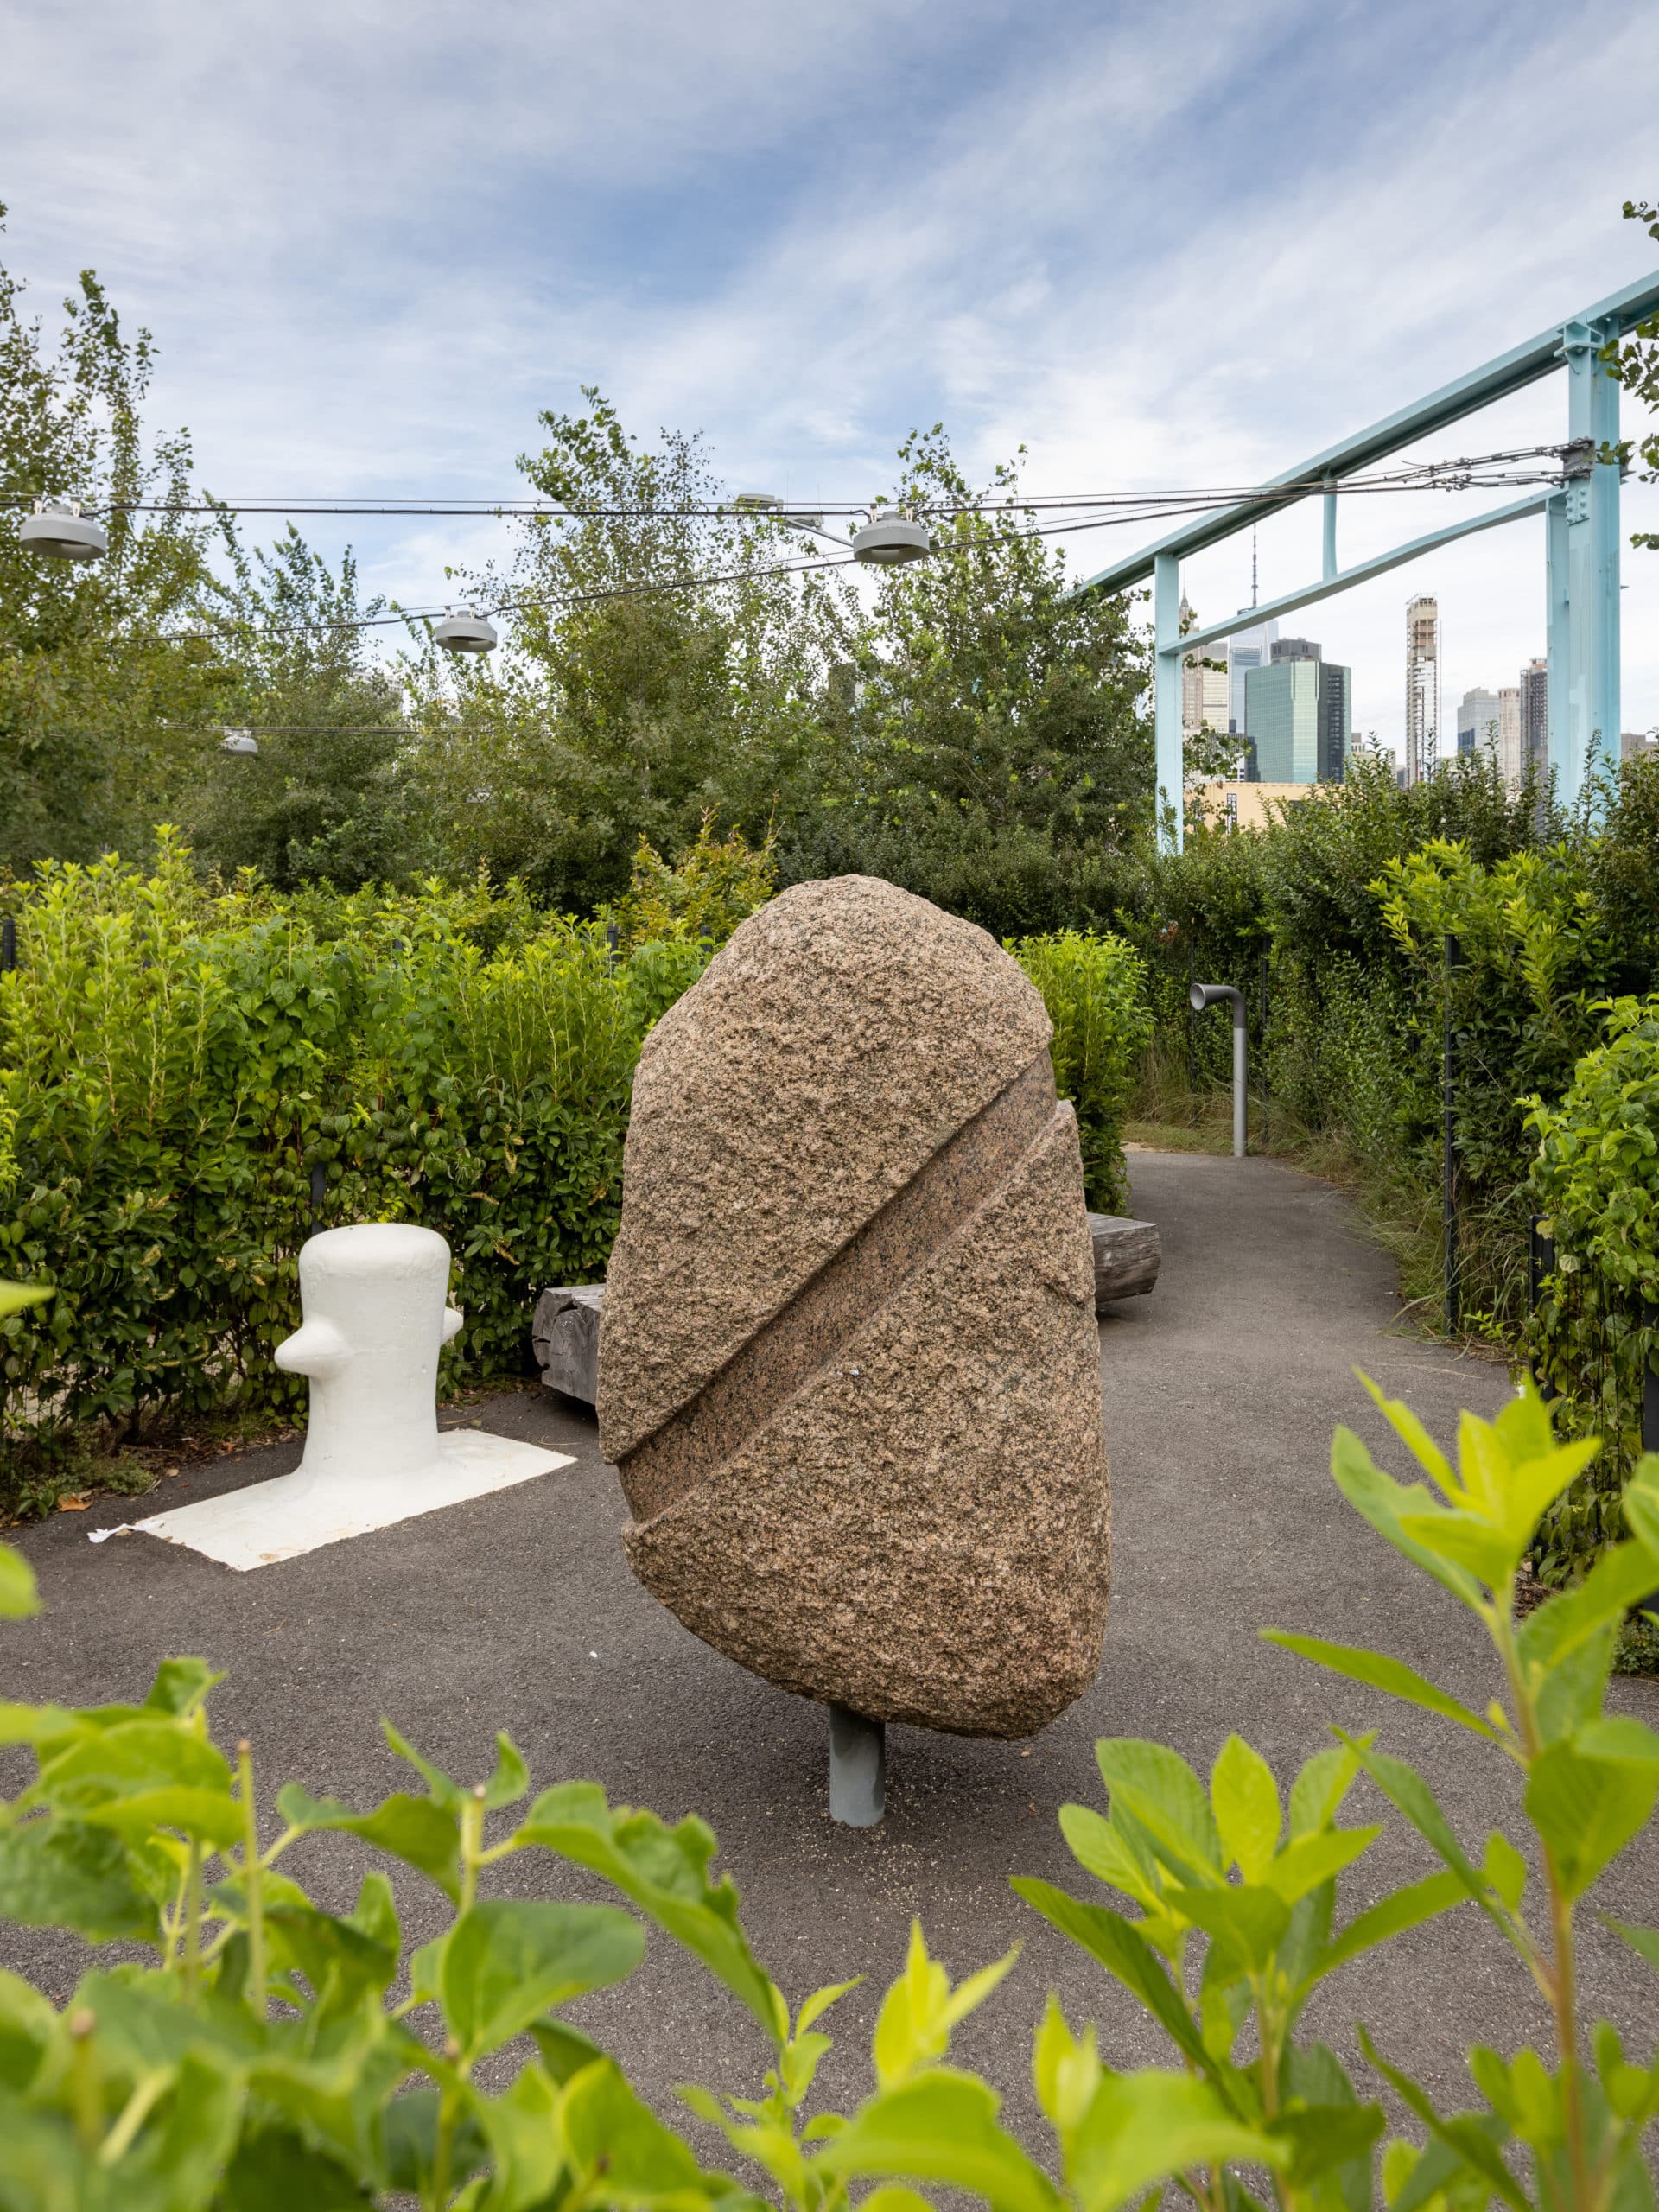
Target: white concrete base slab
pixel 301 1512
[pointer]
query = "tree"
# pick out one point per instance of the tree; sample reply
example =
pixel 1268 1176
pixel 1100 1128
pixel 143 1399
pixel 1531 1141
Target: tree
pixel 103 673
pixel 629 706
pixel 327 796
pixel 993 750
pixel 1635 363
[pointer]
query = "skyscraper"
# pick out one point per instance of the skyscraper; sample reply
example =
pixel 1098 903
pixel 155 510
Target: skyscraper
pixel 1249 649
pixel 1297 711
pixel 1422 687
pixel 1477 722
pixel 1535 714
pixel 1204 690
pixel 1511 755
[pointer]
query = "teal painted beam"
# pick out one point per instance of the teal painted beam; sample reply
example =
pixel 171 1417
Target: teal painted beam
pixel 1362 572
pixel 1591 735
pixel 1555 646
pixel 1522 364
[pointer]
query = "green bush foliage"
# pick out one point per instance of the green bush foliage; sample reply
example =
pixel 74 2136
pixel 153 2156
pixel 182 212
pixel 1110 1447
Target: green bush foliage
pixel 1094 988
pixel 1595 1184
pixel 176 1061
pixel 179 1062
pixel 255 2054
pixel 1334 922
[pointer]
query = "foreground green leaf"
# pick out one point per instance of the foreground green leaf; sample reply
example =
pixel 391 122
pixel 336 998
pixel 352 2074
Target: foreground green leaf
pixel 507 1961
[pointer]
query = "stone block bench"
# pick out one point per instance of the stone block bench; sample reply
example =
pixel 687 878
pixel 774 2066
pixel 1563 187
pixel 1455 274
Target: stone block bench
pixel 565 1338
pixel 565 1333
pixel 1126 1255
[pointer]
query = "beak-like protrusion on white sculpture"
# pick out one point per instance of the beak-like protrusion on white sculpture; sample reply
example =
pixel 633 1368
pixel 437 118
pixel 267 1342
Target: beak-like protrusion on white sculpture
pixel 317 1349
pixel 374 1299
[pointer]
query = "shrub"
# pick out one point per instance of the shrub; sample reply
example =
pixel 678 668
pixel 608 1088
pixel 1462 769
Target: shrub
pixel 1595 1182
pixel 259 2058
pixel 178 1062
pixel 715 883
pixel 1334 923
pixel 1094 988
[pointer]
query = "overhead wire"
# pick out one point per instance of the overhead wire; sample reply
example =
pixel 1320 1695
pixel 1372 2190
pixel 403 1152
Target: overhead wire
pixel 1081 513
pixel 1451 473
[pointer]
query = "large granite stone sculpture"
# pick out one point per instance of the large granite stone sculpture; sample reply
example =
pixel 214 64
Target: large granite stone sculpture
pixel 848 1363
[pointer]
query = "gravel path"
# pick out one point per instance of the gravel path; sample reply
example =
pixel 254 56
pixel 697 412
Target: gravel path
pixel 517 1611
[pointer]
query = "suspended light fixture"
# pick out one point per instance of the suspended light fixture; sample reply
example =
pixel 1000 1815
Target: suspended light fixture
pixel 463 631
pixel 60 530
pixel 240 741
pixel 889 540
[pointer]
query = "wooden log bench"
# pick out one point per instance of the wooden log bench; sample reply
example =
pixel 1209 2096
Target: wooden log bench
pixel 565 1333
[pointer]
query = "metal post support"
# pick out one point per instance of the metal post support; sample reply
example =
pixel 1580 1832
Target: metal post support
pixel 319 1194
pixel 1170 797
pixel 858 1769
pixel 1593 688
pixel 1453 958
pixel 1330 536
pixel 1555 634
pixel 7 944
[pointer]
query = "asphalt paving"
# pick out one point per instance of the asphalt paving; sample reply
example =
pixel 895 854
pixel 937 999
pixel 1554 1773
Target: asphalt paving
pixel 517 1611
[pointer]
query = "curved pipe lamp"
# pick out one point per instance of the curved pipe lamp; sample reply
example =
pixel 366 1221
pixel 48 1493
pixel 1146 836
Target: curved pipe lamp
pixel 1205 994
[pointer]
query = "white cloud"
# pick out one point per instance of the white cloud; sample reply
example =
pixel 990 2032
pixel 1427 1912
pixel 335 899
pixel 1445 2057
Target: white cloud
pixel 1156 247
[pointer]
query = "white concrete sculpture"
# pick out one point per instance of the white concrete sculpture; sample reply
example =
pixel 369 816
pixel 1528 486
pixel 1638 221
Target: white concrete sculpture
pixel 373 1299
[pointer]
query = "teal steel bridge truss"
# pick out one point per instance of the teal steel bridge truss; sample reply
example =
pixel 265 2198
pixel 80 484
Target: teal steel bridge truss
pixel 1581 543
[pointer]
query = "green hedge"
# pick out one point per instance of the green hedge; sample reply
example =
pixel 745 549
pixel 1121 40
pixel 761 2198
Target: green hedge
pixel 176 1062
pixel 1595 1184
pixel 1095 988
pixel 1333 921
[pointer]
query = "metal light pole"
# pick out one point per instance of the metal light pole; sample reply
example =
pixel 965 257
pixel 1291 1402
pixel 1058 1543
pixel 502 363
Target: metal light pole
pixel 1207 995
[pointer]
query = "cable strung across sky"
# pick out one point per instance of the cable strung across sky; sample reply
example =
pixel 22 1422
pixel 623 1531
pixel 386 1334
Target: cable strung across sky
pixel 1077 512
pixel 1463 474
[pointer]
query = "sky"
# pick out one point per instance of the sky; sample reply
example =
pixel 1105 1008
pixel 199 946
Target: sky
pixel 1158 247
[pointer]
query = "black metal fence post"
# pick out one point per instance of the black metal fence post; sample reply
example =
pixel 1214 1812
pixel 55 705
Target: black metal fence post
pixel 1262 1059
pixel 1192 1020
pixel 7 944
pixel 319 1194
pixel 1453 959
pixel 1650 1385
pixel 1541 1258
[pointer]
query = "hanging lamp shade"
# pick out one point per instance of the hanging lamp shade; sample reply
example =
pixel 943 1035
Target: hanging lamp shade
pixel 62 532
pixel 891 540
pixel 240 741
pixel 463 631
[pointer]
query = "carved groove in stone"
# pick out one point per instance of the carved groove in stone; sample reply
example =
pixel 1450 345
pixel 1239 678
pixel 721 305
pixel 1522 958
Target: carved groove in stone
pixel 813 1330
